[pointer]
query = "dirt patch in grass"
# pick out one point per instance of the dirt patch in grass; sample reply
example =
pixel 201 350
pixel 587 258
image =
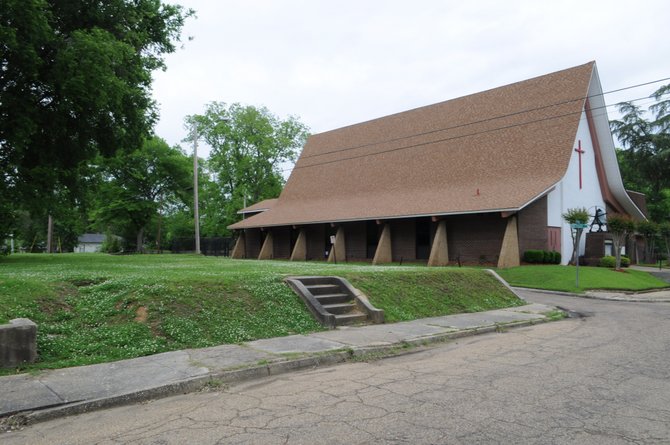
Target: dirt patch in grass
pixel 57 302
pixel 84 282
pixel 141 314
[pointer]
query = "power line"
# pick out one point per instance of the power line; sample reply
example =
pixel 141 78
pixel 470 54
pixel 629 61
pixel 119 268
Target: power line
pixel 483 120
pixel 406 147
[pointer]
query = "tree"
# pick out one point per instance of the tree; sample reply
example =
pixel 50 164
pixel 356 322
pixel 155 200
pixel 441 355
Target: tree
pixel 137 185
pixel 576 216
pixel 249 145
pixel 646 158
pixel 7 212
pixel 664 231
pixel 69 214
pixel 649 231
pixel 74 83
pixel 212 204
pixel 620 226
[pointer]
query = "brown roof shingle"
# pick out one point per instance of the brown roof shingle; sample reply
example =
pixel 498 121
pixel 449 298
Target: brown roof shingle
pixel 494 150
pixel 260 206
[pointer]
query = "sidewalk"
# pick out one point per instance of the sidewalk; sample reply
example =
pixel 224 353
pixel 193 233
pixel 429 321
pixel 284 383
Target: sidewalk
pixel 647 296
pixel 659 296
pixel 69 391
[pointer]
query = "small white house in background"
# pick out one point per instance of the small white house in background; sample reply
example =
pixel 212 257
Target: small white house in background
pixel 90 243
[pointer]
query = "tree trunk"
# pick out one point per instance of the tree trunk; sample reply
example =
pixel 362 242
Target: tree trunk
pixel 575 247
pixel 649 247
pixel 50 232
pixel 140 241
pixel 617 240
pixel 158 239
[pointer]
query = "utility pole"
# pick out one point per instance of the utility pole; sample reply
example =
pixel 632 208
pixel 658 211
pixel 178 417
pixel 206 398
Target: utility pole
pixel 196 214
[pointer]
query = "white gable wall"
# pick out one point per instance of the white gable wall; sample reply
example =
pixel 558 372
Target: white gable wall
pixel 567 193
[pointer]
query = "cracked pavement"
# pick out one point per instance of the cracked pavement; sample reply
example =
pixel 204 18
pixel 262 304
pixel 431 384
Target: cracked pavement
pixel 600 379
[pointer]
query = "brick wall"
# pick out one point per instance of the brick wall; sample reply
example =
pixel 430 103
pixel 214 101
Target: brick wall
pixel 315 234
pixel 475 237
pixel 595 244
pixel 354 238
pixel 252 238
pixel 403 244
pixel 532 226
pixel 281 242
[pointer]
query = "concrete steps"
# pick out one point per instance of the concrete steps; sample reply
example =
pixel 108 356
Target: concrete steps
pixel 334 301
pixel 340 308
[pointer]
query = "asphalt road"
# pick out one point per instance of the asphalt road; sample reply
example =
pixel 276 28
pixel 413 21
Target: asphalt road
pixel 601 379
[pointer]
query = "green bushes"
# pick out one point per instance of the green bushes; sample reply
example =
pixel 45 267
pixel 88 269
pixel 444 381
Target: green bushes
pixel 541 257
pixel 111 244
pixel 533 256
pixel 610 261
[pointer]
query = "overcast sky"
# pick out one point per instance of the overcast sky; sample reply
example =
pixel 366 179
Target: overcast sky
pixel 339 62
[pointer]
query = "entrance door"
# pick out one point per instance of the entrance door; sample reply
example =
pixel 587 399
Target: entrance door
pixel 554 239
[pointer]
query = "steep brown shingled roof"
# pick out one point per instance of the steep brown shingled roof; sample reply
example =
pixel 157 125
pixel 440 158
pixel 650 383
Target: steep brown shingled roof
pixel 494 150
pixel 260 206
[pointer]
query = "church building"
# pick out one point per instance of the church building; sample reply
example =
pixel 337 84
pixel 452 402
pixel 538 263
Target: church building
pixel 474 180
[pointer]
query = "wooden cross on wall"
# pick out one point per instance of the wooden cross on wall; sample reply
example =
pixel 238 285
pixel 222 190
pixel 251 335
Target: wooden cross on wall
pixel 581 152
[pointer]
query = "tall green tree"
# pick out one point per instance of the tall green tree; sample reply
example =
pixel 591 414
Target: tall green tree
pixel 620 227
pixel 212 203
pixel 664 231
pixel 75 80
pixel 645 158
pixel 136 186
pixel 649 230
pixel 249 146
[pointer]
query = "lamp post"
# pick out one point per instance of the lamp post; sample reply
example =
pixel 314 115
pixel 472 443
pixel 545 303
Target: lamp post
pixel 196 214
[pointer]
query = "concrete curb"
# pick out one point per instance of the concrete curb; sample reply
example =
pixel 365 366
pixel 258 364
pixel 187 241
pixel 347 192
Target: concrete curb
pixel 256 372
pixel 628 299
pixel 631 299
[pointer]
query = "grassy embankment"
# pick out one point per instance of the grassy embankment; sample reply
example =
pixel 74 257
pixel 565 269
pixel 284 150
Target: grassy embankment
pixel 94 308
pixel 562 278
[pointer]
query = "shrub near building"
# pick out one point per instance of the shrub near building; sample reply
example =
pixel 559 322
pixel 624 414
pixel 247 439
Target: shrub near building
pixel 610 261
pixel 542 257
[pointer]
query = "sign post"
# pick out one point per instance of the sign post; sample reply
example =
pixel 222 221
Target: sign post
pixel 578 228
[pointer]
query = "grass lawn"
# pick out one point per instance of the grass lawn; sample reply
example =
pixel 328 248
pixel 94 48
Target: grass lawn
pixel 562 278
pixel 93 308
